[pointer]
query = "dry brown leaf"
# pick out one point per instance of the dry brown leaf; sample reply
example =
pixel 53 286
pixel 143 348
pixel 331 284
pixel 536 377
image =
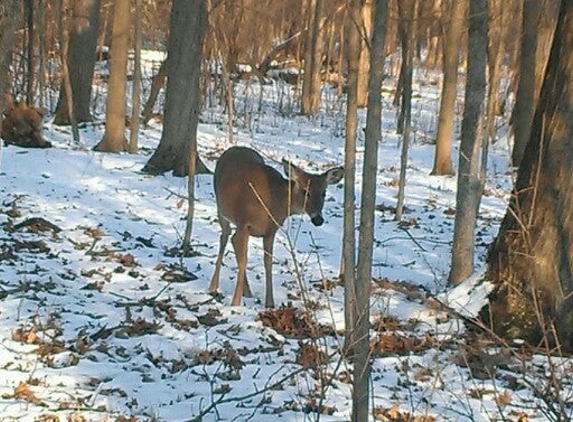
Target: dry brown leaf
pixel 23 392
pixel 309 355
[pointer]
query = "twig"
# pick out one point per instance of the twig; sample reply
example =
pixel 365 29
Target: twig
pixel 223 400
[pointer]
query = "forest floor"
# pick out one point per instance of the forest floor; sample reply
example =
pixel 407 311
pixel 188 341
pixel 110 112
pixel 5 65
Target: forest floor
pixel 102 319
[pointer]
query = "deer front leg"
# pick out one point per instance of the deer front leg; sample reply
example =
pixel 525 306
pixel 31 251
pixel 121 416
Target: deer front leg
pixel 225 232
pixel 240 242
pixel 268 242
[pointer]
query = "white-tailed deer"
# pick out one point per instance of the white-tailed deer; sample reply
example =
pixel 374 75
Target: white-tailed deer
pixel 22 125
pixel 257 199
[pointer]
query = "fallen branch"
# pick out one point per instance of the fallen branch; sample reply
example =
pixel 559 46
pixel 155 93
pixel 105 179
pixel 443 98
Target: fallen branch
pixel 223 400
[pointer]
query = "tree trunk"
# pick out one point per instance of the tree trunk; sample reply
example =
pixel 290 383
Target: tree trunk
pixel 373 135
pixel 311 80
pixel 136 94
pixel 496 37
pixel 66 84
pixel 531 259
pixel 539 17
pixel 114 137
pixel 469 186
pixel 81 61
pixel 443 158
pixel 407 33
pixel 157 82
pixel 31 74
pixel 352 45
pixel 409 10
pixel 435 37
pixel 182 96
pixel 364 61
pixel 7 23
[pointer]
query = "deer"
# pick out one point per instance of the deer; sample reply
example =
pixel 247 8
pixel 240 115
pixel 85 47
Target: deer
pixel 22 124
pixel 257 199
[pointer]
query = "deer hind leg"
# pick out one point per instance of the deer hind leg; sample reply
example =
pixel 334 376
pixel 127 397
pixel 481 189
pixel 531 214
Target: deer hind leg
pixel 225 233
pixel 240 242
pixel 268 242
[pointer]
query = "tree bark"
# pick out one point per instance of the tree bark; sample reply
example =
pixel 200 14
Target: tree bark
pixel 31 62
pixel 81 62
pixel 157 82
pixel 311 80
pixel 364 61
pixel 538 23
pixel 352 44
pixel 469 184
pixel 531 261
pixel 66 84
pixel 442 157
pixel 136 93
pixel 409 10
pixel 8 12
pixel 182 96
pixel 496 36
pixel 368 201
pixel 114 138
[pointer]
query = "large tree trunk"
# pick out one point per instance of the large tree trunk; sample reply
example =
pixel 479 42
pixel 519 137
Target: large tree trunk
pixel 531 261
pixel 538 25
pixel 81 62
pixel 182 95
pixel 442 157
pixel 368 201
pixel 469 185
pixel 114 138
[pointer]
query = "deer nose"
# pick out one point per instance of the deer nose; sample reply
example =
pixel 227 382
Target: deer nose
pixel 317 220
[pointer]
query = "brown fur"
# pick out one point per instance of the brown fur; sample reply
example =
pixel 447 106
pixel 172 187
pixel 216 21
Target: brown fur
pixel 22 126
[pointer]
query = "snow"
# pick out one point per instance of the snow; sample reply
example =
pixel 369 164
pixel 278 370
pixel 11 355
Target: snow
pixel 98 327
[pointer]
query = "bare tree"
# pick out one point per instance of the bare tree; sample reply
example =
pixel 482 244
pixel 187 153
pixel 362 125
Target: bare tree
pixel 311 80
pixel 538 24
pixel 30 58
pixel 364 61
pixel 373 135
pixel 498 16
pixel 136 94
pixel 352 44
pixel 408 11
pixel 157 82
pixel 442 157
pixel 469 184
pixel 80 60
pixel 114 137
pixel 182 96
pixel 8 11
pixel 530 261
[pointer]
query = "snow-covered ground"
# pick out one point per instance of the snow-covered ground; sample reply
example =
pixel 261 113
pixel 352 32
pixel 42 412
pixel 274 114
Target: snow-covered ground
pixel 101 320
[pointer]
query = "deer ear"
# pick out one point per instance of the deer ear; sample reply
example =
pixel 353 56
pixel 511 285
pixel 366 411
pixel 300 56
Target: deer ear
pixel 334 175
